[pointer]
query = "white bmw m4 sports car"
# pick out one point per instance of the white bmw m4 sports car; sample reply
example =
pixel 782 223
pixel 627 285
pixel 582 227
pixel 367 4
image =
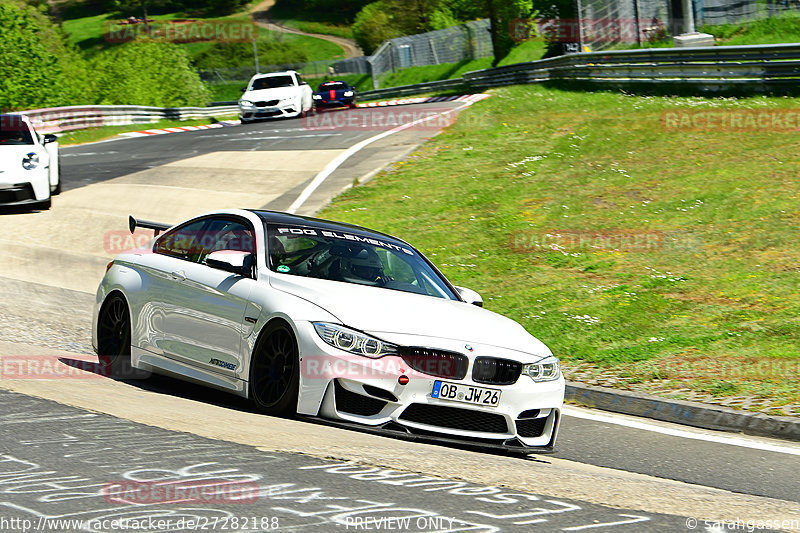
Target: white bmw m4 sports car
pixel 317 318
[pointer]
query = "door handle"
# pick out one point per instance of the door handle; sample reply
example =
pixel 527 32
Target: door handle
pixel 179 275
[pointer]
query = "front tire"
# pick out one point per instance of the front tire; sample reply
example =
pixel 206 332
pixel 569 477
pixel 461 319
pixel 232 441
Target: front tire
pixel 275 371
pixel 114 337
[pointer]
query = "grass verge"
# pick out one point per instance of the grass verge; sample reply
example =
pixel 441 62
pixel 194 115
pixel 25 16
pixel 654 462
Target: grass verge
pixel 537 197
pixel 323 21
pixel 531 50
pixel 88 34
pixel 106 132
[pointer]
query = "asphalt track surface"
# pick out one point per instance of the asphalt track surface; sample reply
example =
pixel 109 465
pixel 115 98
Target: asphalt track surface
pixel 63 463
pixel 46 439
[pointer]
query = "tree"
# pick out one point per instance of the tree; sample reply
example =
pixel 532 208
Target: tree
pixel 555 9
pixel 501 13
pixel 374 24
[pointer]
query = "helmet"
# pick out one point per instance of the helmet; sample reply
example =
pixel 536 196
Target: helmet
pixel 365 265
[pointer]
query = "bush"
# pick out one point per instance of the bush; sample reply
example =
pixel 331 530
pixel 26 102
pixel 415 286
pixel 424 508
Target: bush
pixel 148 73
pixel 37 67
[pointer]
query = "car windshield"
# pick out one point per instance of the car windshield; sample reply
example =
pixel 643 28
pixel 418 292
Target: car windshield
pixel 332 86
pixel 353 257
pixel 272 82
pixel 14 131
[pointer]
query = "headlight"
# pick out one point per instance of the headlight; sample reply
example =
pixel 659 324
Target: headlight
pixel 246 103
pixel 348 93
pixel 353 341
pixel 316 96
pixel 30 161
pixel 545 370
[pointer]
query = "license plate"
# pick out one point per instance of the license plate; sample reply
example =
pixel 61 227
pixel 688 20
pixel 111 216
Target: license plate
pixel 466 394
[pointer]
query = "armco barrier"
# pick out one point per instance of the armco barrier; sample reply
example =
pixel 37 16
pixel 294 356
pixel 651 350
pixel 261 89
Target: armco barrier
pixel 711 69
pixel 58 119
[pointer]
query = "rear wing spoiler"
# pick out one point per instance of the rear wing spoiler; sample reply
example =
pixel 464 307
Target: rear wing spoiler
pixel 157 226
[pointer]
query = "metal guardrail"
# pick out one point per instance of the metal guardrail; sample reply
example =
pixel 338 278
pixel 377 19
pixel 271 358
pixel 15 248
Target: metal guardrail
pixel 712 69
pixel 59 119
pixel 406 90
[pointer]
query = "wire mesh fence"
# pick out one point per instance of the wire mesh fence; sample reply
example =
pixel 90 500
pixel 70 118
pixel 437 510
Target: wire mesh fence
pixel 450 45
pixel 605 24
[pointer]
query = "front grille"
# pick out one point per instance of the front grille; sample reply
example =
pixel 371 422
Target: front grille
pixel 356 404
pixel 439 363
pixel 532 427
pixel 494 371
pixel 268 103
pixel 19 193
pixel 454 418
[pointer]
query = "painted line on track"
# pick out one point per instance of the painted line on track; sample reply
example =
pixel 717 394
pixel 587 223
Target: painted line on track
pixel 472 98
pixel 675 432
pixel 344 156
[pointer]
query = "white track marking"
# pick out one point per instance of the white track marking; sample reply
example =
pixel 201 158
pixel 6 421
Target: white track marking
pixel 675 432
pixel 333 165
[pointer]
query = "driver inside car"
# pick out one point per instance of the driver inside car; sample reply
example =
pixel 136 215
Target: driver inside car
pixel 363 267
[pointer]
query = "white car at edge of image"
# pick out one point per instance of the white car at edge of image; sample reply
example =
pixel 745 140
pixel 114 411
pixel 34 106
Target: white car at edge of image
pixel 330 320
pixel 273 95
pixel 29 173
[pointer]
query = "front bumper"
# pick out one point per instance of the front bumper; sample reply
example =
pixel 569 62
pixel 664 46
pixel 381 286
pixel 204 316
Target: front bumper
pixel 358 390
pixel 24 193
pixel 291 109
pixel 344 102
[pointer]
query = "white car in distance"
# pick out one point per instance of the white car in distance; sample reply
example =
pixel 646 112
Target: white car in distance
pixel 28 164
pixel 278 94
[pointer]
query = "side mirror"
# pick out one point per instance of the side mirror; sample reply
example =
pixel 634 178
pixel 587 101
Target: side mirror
pixel 470 296
pixel 233 261
pixel 49 138
pixel 244 89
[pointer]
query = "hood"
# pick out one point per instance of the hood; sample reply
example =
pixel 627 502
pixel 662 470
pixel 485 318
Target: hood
pixel 376 311
pixel 11 156
pixel 337 93
pixel 279 93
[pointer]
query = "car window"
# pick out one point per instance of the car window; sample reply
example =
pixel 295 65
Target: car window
pixel 13 131
pixel 226 234
pixel 272 82
pixel 357 258
pixel 195 240
pixel 332 86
